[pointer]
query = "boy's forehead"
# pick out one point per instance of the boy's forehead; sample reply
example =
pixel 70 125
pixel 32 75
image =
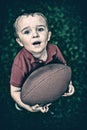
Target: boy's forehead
pixel 30 20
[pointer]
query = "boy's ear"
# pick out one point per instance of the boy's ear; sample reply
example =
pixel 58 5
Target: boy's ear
pixel 19 42
pixel 49 35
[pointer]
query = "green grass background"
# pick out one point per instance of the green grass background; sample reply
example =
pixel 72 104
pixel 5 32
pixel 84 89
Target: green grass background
pixel 68 23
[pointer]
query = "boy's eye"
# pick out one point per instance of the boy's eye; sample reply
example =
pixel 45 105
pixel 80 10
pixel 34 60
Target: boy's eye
pixel 26 32
pixel 40 29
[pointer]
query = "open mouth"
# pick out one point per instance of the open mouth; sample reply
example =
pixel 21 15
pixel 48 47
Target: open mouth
pixel 37 43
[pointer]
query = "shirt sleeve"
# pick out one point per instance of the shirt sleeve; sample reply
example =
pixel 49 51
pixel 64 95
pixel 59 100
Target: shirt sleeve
pixel 17 75
pixel 60 56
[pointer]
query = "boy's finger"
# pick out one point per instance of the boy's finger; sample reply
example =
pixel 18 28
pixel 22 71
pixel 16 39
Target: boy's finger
pixel 48 104
pixel 44 109
pixel 35 106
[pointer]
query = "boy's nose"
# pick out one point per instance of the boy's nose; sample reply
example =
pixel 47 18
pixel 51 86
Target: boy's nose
pixel 35 34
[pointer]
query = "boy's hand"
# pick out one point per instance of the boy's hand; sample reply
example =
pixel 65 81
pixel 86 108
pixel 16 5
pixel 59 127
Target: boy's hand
pixel 70 91
pixel 43 109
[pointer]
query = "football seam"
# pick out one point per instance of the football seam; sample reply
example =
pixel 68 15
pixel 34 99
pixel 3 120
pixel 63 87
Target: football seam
pixel 42 81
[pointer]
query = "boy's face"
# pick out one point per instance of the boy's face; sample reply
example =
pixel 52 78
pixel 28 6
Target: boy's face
pixel 33 33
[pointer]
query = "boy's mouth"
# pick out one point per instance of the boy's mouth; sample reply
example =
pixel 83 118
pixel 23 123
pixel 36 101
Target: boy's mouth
pixel 36 43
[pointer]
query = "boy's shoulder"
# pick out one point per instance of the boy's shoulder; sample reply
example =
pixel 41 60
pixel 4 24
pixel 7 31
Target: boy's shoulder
pixel 22 55
pixel 52 46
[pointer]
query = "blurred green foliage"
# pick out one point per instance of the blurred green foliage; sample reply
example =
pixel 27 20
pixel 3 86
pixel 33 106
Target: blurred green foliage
pixel 69 33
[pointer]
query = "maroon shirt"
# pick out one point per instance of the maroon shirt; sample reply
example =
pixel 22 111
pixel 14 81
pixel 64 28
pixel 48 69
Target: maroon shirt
pixel 25 63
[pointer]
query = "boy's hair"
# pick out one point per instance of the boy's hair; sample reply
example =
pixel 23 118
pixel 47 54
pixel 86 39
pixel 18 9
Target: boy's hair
pixel 26 15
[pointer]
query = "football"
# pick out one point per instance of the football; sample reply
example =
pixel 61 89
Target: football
pixel 46 84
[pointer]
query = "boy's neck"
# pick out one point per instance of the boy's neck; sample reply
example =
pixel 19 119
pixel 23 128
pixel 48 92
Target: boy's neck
pixel 42 56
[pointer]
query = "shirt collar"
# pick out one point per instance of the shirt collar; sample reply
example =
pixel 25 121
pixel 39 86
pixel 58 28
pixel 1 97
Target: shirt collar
pixel 50 52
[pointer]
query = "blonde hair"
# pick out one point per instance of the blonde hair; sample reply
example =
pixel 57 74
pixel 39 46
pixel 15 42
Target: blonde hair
pixel 27 15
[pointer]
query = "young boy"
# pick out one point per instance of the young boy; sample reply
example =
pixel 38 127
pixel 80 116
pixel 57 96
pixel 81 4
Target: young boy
pixel 33 35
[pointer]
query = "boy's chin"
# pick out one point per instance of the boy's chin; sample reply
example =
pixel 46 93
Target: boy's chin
pixel 38 50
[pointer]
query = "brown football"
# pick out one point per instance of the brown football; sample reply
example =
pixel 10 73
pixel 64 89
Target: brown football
pixel 46 84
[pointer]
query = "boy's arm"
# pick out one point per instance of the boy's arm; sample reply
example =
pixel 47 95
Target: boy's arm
pixel 15 93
